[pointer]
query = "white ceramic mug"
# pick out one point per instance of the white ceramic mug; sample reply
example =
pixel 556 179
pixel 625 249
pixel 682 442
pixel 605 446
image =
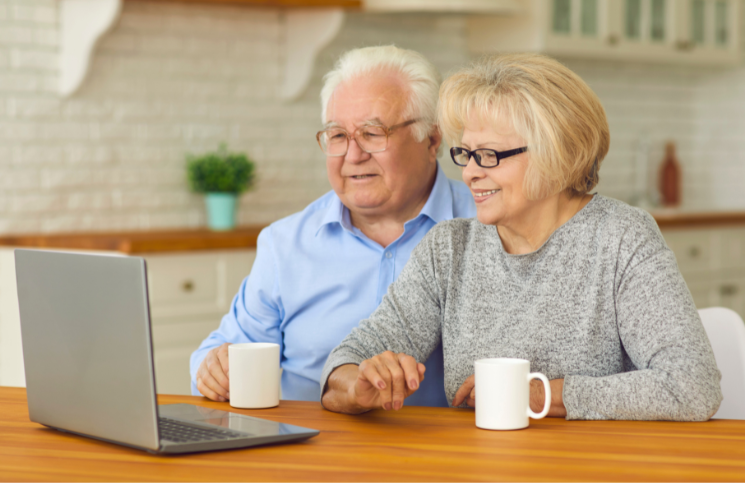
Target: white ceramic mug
pixel 254 375
pixel 503 393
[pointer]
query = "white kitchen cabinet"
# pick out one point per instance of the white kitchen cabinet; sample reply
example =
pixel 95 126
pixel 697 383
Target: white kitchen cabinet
pixel 712 262
pixel 189 293
pixel 703 32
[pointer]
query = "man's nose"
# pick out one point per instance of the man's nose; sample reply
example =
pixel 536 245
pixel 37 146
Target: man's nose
pixel 355 154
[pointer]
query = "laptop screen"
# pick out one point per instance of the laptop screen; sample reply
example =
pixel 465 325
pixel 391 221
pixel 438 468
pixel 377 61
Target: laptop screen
pixel 87 344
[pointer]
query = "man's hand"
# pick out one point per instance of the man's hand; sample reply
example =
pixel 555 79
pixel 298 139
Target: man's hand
pixel 383 381
pixel 212 377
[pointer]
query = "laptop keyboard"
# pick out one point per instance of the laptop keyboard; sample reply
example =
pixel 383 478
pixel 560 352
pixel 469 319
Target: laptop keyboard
pixel 179 432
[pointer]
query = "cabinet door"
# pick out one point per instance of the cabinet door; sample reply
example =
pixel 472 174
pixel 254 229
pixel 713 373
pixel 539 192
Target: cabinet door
pixel 730 293
pixel 732 249
pixel 170 376
pixel 195 283
pixel 11 351
pixel 702 295
pixel 707 31
pixel 577 26
pixel 672 31
pixel 694 250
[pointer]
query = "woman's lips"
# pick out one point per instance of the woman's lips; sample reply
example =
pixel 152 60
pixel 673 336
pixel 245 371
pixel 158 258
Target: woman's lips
pixel 482 195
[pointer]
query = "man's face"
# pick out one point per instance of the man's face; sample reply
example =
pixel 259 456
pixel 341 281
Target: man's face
pixel 395 182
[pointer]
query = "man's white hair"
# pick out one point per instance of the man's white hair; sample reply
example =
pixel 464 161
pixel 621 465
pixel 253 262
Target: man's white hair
pixel 420 77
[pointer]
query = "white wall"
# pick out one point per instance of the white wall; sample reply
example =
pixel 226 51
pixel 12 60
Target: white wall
pixel 174 78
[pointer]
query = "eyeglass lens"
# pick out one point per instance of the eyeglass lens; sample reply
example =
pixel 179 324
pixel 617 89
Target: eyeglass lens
pixel 371 139
pixel 486 158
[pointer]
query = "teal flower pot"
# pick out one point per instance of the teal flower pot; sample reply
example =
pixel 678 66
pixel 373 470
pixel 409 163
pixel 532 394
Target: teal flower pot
pixel 220 210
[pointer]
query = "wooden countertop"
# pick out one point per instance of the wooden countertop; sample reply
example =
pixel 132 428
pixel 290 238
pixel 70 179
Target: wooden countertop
pixel 245 237
pixel 681 219
pixel 413 444
pixel 141 241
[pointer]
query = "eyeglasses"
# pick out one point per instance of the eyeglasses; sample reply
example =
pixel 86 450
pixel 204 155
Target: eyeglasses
pixel 371 139
pixel 486 158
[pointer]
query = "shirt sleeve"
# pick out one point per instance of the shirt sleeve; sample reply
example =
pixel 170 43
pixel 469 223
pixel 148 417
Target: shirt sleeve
pixel 256 311
pixel 672 373
pixel 407 320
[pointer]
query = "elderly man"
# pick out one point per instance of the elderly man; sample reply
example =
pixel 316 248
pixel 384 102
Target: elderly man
pixel 319 272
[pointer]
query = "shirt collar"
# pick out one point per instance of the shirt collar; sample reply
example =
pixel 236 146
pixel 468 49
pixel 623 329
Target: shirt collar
pixel 439 205
pixel 334 213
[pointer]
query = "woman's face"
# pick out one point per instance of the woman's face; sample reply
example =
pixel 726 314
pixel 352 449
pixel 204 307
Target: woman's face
pixel 498 191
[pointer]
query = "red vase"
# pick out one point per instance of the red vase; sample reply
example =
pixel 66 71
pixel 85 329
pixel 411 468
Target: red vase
pixel 670 178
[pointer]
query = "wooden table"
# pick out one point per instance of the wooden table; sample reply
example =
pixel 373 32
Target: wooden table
pixel 422 444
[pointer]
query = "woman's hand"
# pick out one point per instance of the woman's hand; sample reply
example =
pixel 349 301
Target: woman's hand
pixel 383 381
pixel 538 398
pixel 467 392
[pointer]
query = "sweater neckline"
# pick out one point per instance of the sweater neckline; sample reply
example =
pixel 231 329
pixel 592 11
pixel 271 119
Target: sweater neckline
pixel 576 218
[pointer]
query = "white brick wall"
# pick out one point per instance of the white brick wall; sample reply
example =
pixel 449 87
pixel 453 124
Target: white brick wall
pixel 175 78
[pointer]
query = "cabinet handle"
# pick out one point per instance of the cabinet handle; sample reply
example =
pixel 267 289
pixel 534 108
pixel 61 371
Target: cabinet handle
pixel 694 252
pixel 684 45
pixel 613 39
pixel 187 286
pixel 728 290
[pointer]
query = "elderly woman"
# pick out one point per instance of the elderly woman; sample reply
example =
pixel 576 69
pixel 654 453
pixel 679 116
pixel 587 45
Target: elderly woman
pixel 581 285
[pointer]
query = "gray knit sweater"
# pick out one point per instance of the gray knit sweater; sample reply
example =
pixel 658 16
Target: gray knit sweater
pixel 601 304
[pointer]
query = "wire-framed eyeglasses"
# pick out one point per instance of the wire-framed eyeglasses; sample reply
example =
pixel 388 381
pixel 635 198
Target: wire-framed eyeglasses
pixel 373 138
pixel 486 158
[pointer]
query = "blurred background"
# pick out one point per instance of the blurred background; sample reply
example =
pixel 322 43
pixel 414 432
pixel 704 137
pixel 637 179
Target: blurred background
pixel 101 100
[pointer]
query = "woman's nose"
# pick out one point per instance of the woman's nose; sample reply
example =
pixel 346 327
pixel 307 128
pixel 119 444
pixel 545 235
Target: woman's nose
pixel 472 171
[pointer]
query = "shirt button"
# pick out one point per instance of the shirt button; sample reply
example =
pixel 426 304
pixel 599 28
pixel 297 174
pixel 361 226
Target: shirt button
pixel 388 255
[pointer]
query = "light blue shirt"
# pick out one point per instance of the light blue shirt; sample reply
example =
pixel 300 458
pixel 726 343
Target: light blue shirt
pixel 316 277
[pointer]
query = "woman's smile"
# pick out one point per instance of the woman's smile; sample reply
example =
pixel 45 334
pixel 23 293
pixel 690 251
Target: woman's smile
pixel 480 196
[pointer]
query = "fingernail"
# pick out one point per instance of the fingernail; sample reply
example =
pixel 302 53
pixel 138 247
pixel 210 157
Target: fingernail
pixel 387 406
pixel 381 384
pixel 221 399
pixel 397 405
pixel 413 384
pixel 228 396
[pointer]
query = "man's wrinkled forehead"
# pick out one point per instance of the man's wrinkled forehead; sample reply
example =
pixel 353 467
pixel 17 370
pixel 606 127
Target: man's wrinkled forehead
pixel 368 122
pixel 367 101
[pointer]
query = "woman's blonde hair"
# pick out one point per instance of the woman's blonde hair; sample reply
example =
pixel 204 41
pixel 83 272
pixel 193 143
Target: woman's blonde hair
pixel 551 107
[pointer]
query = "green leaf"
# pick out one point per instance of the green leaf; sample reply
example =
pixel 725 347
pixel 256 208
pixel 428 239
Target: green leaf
pixel 220 172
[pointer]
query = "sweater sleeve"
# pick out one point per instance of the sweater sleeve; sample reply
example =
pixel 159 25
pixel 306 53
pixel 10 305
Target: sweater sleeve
pixel 672 373
pixel 407 320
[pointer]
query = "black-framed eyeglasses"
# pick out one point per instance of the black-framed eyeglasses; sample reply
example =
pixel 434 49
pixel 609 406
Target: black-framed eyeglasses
pixel 486 158
pixel 334 141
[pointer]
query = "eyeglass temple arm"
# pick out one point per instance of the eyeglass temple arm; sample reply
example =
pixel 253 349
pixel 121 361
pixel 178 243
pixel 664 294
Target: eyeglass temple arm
pixel 511 152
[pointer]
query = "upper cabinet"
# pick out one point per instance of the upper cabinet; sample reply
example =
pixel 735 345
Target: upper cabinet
pixel 673 31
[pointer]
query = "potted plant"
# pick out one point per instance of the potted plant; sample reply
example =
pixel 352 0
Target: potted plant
pixel 221 176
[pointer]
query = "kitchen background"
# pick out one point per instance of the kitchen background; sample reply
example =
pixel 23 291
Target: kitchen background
pixel 172 78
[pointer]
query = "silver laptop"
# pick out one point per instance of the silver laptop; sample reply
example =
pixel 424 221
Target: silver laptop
pixel 87 350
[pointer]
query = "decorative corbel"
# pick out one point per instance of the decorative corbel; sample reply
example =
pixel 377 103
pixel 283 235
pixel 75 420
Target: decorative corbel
pixel 307 32
pixel 82 23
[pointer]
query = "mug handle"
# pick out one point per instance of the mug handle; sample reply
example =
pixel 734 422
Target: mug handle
pixel 547 387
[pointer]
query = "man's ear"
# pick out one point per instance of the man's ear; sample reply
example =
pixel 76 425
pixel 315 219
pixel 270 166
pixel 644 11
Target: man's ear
pixel 435 139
